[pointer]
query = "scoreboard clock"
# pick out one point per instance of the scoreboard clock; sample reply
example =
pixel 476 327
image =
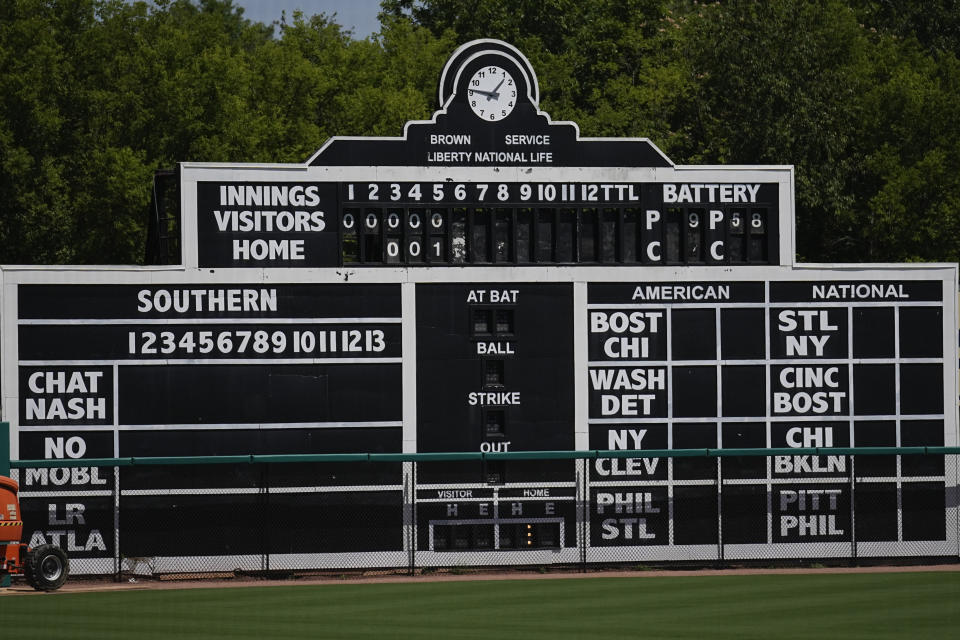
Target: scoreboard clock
pixel 492 93
pixel 490 281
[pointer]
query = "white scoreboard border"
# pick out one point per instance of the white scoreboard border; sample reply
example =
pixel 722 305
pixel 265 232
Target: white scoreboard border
pixel 579 277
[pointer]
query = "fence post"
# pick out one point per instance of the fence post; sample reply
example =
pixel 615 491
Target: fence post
pixel 718 476
pixel 956 481
pixel 409 475
pixel 5 471
pixel 583 513
pixel 853 511
pixel 117 556
pixel 265 527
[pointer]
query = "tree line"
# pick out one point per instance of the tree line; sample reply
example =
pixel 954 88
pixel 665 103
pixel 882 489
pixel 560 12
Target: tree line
pixel 862 96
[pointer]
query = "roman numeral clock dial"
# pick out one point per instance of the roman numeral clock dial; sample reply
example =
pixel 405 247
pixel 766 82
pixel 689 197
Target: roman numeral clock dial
pixel 492 93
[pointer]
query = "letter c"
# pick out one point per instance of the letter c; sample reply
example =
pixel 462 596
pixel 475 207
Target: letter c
pixel 608 349
pixel 716 255
pixel 792 437
pixel 31 382
pixel 650 251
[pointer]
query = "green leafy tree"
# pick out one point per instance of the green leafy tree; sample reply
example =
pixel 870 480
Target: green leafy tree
pixel 934 24
pixel 95 96
pixel 98 94
pixel 869 120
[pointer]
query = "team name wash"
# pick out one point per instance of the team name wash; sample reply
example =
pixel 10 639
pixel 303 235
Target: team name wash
pixel 300 217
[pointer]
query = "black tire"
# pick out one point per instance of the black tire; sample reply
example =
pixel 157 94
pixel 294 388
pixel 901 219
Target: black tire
pixel 46 568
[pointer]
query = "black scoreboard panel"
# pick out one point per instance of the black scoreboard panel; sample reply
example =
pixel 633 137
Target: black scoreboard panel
pixel 767 364
pixel 328 224
pixel 493 365
pixel 692 364
pixel 495 373
pixel 183 369
pixel 510 223
pixel 489 519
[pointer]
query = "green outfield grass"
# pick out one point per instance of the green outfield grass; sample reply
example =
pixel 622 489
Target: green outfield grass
pixel 771 607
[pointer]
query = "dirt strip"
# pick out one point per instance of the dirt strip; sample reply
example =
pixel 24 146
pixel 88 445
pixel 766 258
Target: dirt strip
pixel 148 584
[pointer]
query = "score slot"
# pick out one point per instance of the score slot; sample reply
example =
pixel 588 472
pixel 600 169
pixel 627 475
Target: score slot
pixel 503 235
pixel 394 236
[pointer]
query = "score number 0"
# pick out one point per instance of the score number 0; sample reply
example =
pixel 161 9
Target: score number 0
pixel 372 223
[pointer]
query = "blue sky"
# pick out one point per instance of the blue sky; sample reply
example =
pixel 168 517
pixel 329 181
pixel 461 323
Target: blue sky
pixel 358 15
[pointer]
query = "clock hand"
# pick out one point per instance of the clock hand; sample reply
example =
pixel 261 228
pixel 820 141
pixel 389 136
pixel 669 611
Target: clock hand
pixel 489 94
pixel 494 95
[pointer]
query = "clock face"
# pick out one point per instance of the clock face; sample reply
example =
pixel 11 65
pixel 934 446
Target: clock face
pixel 492 93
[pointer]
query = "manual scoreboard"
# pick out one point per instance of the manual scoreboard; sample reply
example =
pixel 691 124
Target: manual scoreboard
pixel 488 282
pixel 492 223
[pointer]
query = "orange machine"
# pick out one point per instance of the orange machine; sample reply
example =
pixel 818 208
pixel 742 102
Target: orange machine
pixel 45 567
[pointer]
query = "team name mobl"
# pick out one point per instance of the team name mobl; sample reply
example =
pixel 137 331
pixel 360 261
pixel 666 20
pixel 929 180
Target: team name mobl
pixel 187 300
